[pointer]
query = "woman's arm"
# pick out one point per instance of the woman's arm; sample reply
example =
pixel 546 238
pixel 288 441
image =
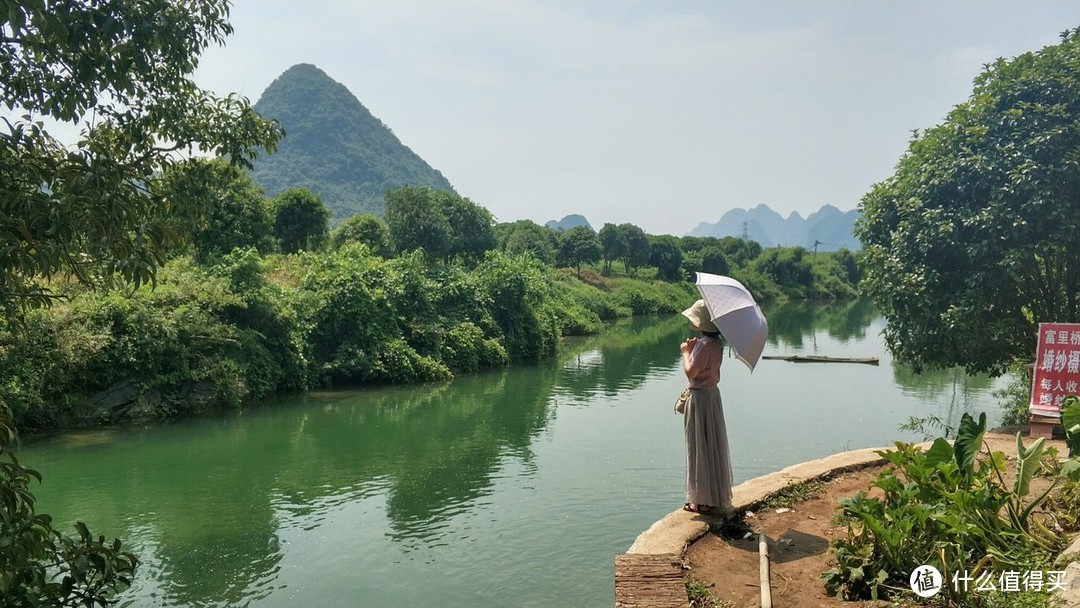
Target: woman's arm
pixel 688 349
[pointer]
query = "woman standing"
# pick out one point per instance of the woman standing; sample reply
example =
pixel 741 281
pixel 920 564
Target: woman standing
pixel 708 459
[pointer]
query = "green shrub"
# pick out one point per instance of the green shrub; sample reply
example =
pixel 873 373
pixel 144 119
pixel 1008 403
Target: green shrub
pixel 466 349
pixel 945 508
pixel 520 303
pixel 347 314
pixel 1015 397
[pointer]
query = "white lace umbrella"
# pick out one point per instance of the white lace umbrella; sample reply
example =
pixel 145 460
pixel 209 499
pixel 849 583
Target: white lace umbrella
pixel 735 312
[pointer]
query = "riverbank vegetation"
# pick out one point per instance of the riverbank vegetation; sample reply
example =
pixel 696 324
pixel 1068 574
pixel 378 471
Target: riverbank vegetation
pixel 963 511
pixel 264 299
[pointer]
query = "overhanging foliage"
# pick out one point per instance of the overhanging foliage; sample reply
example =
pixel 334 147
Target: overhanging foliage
pixel 973 241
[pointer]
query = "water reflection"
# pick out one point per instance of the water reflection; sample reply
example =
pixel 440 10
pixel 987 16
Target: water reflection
pixel 432 450
pixel 962 392
pixel 514 482
pixel 214 496
pixel 623 358
pixel 795 324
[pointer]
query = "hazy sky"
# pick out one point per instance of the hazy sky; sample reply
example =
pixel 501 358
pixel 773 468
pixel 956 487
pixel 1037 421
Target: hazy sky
pixel 663 114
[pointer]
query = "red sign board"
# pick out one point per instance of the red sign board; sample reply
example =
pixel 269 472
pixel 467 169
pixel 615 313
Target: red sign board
pixel 1057 367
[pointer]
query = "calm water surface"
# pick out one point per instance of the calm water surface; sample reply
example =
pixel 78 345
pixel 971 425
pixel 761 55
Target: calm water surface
pixel 512 488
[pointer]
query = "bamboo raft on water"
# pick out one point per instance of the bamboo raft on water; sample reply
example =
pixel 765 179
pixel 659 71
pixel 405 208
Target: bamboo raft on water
pixel 822 359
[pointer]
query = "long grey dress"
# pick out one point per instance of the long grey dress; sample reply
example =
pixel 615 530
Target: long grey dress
pixel 708 458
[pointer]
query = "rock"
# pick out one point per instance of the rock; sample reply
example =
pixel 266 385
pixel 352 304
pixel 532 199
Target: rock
pixel 116 396
pixel 125 401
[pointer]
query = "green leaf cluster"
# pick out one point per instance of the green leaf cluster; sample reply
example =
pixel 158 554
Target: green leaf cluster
pixel 366 229
pixel 442 224
pixel 118 72
pixel 578 245
pixel 625 242
pixel 234 213
pixel 526 236
pixel 948 508
pixel 1070 420
pixel 300 220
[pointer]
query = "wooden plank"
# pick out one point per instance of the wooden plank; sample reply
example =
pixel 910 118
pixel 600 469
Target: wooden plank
pixel 649 581
pixel 822 359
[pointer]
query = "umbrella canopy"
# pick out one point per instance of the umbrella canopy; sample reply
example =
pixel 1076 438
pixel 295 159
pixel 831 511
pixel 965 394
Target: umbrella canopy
pixel 736 314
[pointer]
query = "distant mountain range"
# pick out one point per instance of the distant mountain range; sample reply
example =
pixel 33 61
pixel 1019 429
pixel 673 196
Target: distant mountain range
pixel 334 147
pixel 338 150
pixel 829 227
pixel 569 222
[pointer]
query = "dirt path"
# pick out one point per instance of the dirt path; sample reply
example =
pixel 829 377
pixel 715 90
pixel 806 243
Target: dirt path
pixel 799 539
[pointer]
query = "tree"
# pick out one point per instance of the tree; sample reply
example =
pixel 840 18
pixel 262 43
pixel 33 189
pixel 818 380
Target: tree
pixel 526 236
pixel 846 260
pixel 119 72
pixel 637 247
pixel 738 250
pixel 99 210
pixel 667 257
pixel 472 230
pixel 300 220
pixel 614 244
pixel 787 266
pixel 976 237
pixel 415 222
pixel 440 222
pixel 578 246
pixel 363 228
pixel 714 261
pixel 235 214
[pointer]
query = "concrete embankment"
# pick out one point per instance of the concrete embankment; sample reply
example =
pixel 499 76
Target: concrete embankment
pixel 679 529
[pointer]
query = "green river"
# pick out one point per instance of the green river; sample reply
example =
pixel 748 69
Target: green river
pixel 509 488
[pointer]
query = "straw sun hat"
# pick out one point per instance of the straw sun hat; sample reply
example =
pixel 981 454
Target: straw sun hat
pixel 699 317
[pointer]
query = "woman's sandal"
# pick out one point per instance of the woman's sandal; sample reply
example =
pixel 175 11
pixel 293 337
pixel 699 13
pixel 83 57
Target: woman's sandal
pixel 702 509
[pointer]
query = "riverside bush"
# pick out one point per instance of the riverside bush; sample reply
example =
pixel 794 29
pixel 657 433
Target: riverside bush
pixel 466 349
pixel 346 305
pixel 242 326
pixel 267 323
pixel 946 508
pixel 162 342
pixel 521 303
pixel 654 297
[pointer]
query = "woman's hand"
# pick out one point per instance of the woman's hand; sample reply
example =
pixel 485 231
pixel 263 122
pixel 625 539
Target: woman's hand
pixel 688 345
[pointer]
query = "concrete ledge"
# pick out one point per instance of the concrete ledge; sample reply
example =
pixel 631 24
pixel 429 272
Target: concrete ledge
pixel 676 531
pixel 679 529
